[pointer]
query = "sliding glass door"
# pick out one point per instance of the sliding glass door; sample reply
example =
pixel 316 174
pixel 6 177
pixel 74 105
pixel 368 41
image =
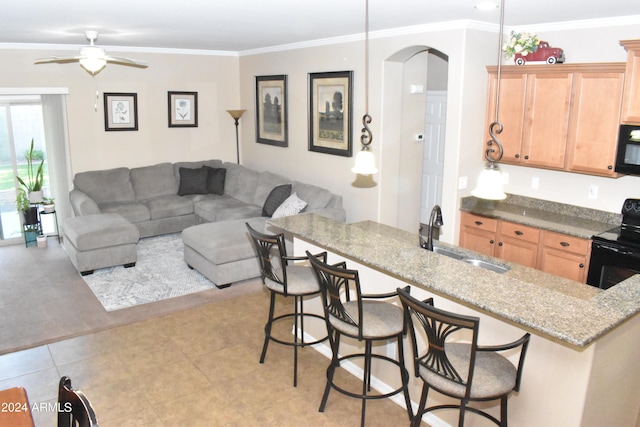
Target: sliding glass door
pixel 20 122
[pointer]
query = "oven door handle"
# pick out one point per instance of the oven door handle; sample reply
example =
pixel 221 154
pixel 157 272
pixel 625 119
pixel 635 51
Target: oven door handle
pixel 621 251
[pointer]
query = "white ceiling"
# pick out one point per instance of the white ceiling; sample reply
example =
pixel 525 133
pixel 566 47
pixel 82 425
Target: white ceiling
pixel 240 25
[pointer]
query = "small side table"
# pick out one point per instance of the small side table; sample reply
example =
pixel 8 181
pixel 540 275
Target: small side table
pixel 55 221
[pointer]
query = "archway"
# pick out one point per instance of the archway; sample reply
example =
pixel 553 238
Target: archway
pixel 412 77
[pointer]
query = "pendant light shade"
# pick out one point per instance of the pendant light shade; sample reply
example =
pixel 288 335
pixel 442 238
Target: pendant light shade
pixel 365 163
pixel 490 184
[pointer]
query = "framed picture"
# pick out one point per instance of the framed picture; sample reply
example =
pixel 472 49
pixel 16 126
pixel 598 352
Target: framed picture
pixel 183 109
pixel 330 111
pixel 271 110
pixel 120 111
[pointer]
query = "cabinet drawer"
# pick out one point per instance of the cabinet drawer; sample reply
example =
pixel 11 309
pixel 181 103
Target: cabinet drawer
pixel 478 222
pixel 566 243
pixel 520 232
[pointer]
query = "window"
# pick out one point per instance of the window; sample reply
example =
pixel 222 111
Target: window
pixel 21 120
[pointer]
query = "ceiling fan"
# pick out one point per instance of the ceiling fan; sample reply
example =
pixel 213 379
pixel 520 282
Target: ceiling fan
pixel 92 58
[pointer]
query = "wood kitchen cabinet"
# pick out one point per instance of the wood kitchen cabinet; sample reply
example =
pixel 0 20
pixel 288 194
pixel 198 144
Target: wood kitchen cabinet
pixel 478 233
pixel 518 243
pixel 502 239
pixel 594 119
pixel 565 256
pixel 546 120
pixel 631 98
pixel 554 253
pixel 513 88
pixel 562 116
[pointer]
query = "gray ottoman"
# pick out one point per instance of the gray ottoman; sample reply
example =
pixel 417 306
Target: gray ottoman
pixel 99 241
pixel 222 251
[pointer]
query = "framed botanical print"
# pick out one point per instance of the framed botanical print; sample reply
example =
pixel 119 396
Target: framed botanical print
pixel 183 109
pixel 330 113
pixel 271 110
pixel 120 111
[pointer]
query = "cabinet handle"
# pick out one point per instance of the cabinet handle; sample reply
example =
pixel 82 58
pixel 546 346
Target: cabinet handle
pixel 526 157
pixel 518 233
pixel 565 244
pixel 581 265
pixel 500 244
pixel 491 241
pixel 517 156
pixel 609 167
pixel 478 222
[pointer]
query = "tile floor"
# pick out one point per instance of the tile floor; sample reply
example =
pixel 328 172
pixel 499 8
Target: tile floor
pixel 196 367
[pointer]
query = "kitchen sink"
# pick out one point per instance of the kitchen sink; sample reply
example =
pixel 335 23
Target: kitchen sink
pixel 448 253
pixel 487 265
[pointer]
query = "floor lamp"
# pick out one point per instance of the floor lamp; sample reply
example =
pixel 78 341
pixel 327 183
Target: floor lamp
pixel 236 114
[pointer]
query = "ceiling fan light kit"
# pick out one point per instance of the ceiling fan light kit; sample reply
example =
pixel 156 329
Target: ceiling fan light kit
pixel 92 58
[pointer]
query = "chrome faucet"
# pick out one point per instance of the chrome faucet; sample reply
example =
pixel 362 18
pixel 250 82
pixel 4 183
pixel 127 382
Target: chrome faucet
pixel 433 229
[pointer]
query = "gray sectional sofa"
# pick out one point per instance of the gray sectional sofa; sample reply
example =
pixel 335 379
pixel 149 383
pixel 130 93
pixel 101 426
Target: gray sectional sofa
pixel 208 201
pixel 148 196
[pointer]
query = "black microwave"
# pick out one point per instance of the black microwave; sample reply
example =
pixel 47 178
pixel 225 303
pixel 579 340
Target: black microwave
pixel 628 156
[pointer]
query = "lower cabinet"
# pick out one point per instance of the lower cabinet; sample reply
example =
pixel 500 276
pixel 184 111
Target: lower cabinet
pixel 565 256
pixel 554 253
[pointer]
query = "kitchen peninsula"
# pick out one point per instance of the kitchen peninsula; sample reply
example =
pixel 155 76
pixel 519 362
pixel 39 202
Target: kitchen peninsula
pixel 581 369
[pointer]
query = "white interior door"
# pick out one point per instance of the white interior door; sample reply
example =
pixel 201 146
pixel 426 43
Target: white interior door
pixel 433 157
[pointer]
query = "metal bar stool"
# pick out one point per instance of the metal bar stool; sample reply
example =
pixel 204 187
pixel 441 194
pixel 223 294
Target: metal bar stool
pixel 287 279
pixel 350 313
pixel 462 370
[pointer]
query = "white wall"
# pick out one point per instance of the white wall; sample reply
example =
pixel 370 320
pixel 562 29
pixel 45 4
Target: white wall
pixel 213 77
pixel 334 171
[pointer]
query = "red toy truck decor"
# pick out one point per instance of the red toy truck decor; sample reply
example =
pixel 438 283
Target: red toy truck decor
pixel 545 53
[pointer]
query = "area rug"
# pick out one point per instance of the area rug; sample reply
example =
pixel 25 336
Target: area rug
pixel 160 273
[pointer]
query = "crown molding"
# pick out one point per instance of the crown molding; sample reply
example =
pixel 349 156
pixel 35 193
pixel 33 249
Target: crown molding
pixel 157 50
pixel 394 32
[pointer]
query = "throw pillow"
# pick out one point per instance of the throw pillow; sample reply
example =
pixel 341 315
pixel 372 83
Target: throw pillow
pixel 275 198
pixel 215 180
pixel 293 205
pixel 192 181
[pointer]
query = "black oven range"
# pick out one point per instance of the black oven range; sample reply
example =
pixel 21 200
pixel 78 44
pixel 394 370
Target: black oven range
pixel 615 254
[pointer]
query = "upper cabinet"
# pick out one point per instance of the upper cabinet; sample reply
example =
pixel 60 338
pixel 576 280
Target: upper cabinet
pixel 631 100
pixel 563 116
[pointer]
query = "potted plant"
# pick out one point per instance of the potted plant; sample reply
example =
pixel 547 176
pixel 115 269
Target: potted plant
pixel 48 204
pixel 29 212
pixel 522 43
pixel 34 180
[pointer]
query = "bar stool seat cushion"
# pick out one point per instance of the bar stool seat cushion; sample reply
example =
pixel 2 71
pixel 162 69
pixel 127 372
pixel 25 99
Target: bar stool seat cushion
pixel 493 375
pixel 380 319
pixel 300 281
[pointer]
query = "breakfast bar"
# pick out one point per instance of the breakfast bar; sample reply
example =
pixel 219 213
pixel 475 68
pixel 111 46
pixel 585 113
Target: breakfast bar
pixel 581 367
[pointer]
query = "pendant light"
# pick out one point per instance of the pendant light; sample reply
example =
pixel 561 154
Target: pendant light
pixel 490 179
pixel 365 161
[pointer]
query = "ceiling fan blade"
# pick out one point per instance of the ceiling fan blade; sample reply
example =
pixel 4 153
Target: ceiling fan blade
pixel 125 61
pixel 58 60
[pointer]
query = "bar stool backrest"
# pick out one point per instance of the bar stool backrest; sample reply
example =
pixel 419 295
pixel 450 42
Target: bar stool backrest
pixel 265 244
pixel 439 327
pixel 339 285
pixel 74 407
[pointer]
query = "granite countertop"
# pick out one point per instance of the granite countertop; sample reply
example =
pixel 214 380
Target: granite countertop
pixel 559 217
pixel 559 309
